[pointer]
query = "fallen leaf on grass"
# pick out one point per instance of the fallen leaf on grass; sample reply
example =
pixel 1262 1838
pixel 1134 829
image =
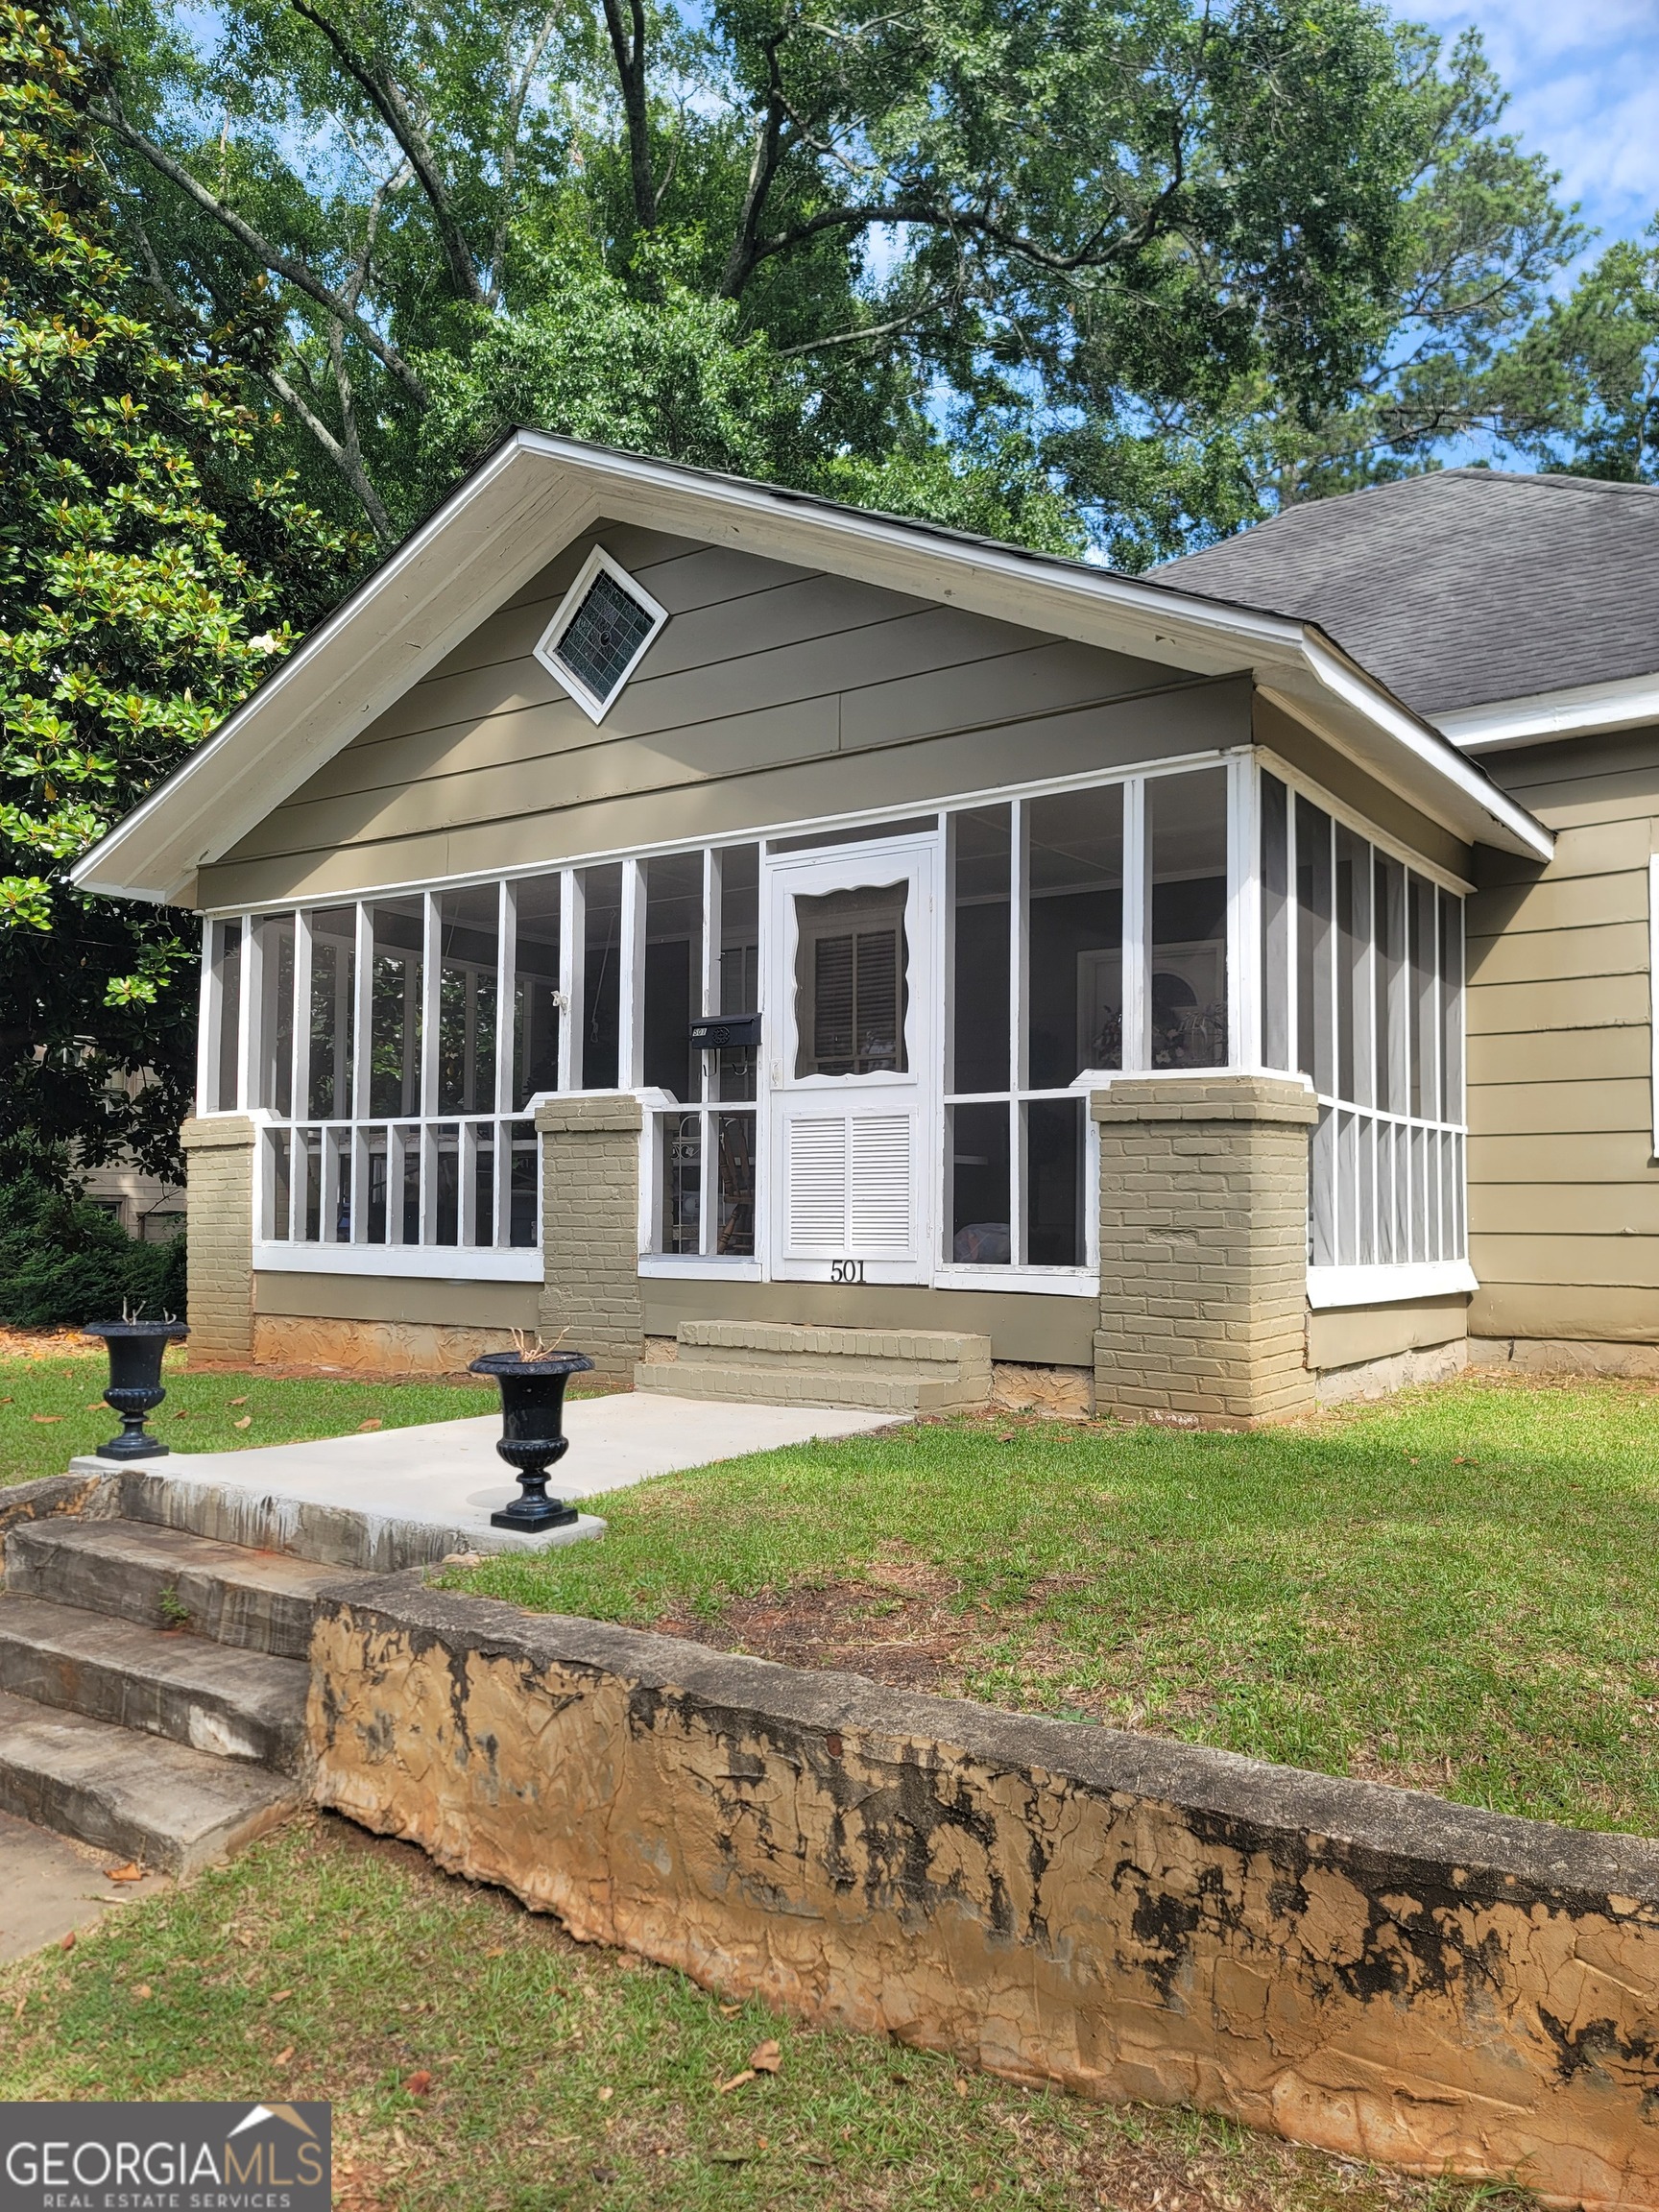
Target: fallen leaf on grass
pixel 246 1422
pixel 725 2088
pixel 282 2057
pixel 95 1406
pixel 130 1872
pixel 46 1416
pixel 68 1942
pixel 362 1425
pixel 766 2057
pixel 280 1995
pixel 419 2083
pixel 143 1992
pixel 235 1401
pixel 730 2012
pixel 496 1950
pixel 605 2095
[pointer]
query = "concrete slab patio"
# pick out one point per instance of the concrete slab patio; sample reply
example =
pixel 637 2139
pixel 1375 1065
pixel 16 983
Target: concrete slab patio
pixel 445 1478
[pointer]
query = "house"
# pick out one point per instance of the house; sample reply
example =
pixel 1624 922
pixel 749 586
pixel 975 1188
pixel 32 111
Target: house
pixel 1520 615
pixel 792 950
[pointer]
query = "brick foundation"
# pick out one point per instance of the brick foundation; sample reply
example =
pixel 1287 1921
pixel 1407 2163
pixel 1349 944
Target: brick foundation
pixel 590 1229
pixel 220 1149
pixel 1203 1251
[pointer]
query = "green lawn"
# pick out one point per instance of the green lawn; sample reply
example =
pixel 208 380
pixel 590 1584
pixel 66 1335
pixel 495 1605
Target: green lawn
pixel 324 1965
pixel 1455 1589
pixel 201 1412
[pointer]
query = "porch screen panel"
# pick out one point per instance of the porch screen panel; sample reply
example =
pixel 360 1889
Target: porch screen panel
pixel 673 972
pixel 536 904
pixel 273 1069
pixel 1074 990
pixel 395 1006
pixel 1187 871
pixel 600 1041
pixel 1378 984
pixel 226 970
pixel 468 972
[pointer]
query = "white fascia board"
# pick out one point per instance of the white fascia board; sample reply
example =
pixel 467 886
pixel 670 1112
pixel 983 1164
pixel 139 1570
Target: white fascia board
pixel 537 491
pixel 1581 712
pixel 1406 754
pixel 395 628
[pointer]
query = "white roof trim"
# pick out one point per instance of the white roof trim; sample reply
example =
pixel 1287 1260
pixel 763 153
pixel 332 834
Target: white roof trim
pixel 1580 711
pixel 536 493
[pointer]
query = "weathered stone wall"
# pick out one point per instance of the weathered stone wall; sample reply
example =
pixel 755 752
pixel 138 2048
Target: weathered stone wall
pixel 221 1255
pixel 372 1347
pixel 590 1229
pixel 1203 1248
pixel 1365 1969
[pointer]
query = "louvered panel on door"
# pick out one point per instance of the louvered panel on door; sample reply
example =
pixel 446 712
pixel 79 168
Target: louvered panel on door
pixel 817 1183
pixel 880 1221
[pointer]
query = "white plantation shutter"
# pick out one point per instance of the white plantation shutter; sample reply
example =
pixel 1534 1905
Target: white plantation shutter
pixel 849 1181
pixel 817 1183
pixel 879 1225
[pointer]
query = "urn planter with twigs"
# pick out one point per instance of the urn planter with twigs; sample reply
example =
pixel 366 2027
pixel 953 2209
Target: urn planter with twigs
pixel 135 1388
pixel 533 1436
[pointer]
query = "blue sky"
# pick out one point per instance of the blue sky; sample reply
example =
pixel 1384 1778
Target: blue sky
pixel 1583 77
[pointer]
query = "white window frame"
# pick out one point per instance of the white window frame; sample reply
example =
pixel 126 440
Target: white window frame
pixel 588 700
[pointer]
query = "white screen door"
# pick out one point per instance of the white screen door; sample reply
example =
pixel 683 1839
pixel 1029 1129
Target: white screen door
pixel 850 1063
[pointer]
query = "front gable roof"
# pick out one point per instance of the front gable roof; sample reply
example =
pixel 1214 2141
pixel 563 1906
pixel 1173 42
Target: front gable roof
pixel 536 493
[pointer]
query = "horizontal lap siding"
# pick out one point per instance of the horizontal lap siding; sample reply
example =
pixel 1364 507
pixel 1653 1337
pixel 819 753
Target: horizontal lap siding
pixel 772 695
pixel 1563 1195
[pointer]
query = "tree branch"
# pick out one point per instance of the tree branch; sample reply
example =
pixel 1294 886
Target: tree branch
pixel 769 151
pixel 628 46
pixel 281 264
pixel 518 95
pixel 349 464
pixel 386 96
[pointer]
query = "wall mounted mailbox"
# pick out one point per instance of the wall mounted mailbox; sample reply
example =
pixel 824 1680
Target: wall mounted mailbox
pixel 726 1032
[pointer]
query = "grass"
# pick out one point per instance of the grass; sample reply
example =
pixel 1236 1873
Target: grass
pixel 50 1410
pixel 1453 1589
pixel 324 1964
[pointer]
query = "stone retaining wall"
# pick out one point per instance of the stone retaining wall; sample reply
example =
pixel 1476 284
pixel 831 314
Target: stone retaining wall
pixel 1368 1970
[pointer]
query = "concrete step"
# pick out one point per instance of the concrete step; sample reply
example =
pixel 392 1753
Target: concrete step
pixel 788 1364
pixel 754 1342
pixel 254 1600
pixel 172 1808
pixel 780 1385
pixel 230 1703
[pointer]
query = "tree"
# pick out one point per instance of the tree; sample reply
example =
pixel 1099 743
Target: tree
pixel 1038 264
pixel 1582 391
pixel 148 577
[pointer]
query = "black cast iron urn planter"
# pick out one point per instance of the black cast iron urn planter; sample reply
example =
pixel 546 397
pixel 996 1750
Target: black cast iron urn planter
pixel 135 1349
pixel 533 1435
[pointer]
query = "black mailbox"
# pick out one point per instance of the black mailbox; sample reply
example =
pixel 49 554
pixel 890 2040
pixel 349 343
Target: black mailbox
pixel 726 1032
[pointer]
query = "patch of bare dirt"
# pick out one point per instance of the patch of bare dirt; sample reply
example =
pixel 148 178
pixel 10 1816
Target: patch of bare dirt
pixel 902 1624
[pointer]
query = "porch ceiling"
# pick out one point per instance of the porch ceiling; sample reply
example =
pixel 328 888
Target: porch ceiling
pixel 536 493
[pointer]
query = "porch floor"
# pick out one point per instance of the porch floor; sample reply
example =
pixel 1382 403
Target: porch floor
pixel 446 1475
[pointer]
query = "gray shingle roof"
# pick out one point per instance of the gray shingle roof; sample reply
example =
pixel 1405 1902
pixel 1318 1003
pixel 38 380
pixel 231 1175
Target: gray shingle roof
pixel 1462 588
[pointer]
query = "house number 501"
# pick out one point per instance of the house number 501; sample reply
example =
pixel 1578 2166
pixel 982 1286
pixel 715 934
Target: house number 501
pixel 846 1271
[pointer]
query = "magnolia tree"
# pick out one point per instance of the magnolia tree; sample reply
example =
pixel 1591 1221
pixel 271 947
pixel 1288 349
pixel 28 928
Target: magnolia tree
pixel 149 578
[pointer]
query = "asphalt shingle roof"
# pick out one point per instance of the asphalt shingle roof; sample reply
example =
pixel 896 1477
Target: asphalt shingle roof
pixel 1462 588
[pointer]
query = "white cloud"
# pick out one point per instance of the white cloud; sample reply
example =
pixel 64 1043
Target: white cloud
pixel 1584 80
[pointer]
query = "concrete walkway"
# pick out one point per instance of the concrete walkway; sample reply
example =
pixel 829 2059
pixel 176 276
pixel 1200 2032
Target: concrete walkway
pixel 448 1475
pixel 50 1885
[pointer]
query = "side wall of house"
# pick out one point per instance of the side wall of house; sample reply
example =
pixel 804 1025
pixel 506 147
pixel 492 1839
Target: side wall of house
pixel 1563 1188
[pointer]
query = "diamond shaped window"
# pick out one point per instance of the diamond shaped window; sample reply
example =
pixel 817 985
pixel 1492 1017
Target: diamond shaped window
pixel 604 624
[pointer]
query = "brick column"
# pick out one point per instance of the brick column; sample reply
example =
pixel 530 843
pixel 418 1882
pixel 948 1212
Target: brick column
pixel 1203 1247
pixel 590 1229
pixel 220 1228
